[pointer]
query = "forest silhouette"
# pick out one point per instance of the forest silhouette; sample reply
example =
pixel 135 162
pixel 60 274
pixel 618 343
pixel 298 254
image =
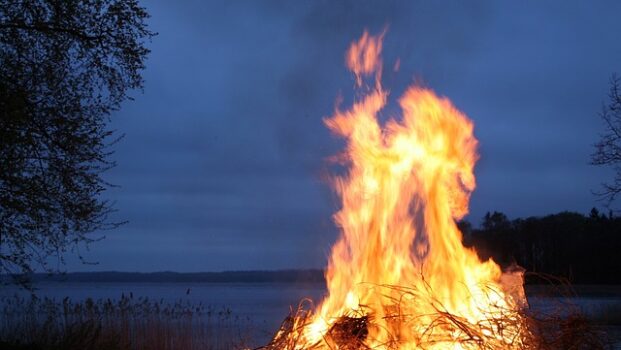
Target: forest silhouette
pixel 581 249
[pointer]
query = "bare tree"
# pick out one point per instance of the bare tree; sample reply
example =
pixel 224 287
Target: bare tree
pixel 64 67
pixel 608 148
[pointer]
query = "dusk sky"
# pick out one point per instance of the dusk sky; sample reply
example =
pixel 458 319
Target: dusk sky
pixel 223 162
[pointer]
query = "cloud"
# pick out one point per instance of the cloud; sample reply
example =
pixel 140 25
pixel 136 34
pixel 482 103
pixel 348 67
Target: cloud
pixel 222 163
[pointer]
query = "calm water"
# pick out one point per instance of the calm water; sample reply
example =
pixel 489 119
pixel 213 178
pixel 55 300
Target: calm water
pixel 265 305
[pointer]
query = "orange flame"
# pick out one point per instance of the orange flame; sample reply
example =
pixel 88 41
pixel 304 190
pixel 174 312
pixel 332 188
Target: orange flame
pixel 400 260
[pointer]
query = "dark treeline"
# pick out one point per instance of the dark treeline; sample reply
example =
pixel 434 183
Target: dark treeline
pixel 278 276
pixel 582 249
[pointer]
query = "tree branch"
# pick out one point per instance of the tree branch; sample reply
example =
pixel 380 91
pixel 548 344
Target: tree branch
pixel 48 28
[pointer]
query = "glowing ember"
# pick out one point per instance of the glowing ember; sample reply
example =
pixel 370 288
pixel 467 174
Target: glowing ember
pixel 399 276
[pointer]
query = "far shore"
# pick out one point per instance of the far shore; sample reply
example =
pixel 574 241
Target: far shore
pixel 307 276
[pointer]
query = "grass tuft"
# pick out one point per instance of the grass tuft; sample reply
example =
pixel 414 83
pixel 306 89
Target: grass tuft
pixel 124 324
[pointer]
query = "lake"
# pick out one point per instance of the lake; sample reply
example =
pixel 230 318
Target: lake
pixel 263 306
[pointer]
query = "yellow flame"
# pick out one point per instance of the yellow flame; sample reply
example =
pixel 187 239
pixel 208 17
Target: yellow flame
pixel 400 251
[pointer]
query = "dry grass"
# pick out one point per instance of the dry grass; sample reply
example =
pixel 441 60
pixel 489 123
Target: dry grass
pixel 560 326
pixel 137 324
pixel 124 324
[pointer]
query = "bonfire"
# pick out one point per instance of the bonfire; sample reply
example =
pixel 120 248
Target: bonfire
pixel 399 276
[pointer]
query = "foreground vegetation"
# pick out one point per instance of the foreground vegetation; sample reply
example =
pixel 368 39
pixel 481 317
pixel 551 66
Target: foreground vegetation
pixel 127 323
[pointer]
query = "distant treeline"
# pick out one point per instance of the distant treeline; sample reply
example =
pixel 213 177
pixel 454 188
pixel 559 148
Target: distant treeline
pixel 583 249
pixel 284 276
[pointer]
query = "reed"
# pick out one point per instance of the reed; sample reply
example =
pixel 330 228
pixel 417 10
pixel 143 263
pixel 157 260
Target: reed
pixel 123 324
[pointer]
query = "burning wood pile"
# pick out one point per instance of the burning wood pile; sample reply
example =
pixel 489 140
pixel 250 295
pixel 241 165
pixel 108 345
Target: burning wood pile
pixel 399 276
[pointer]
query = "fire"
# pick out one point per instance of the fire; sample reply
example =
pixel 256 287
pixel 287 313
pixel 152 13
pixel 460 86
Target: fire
pixel 398 276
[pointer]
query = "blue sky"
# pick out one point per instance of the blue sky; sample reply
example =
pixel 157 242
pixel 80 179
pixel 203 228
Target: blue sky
pixel 223 162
